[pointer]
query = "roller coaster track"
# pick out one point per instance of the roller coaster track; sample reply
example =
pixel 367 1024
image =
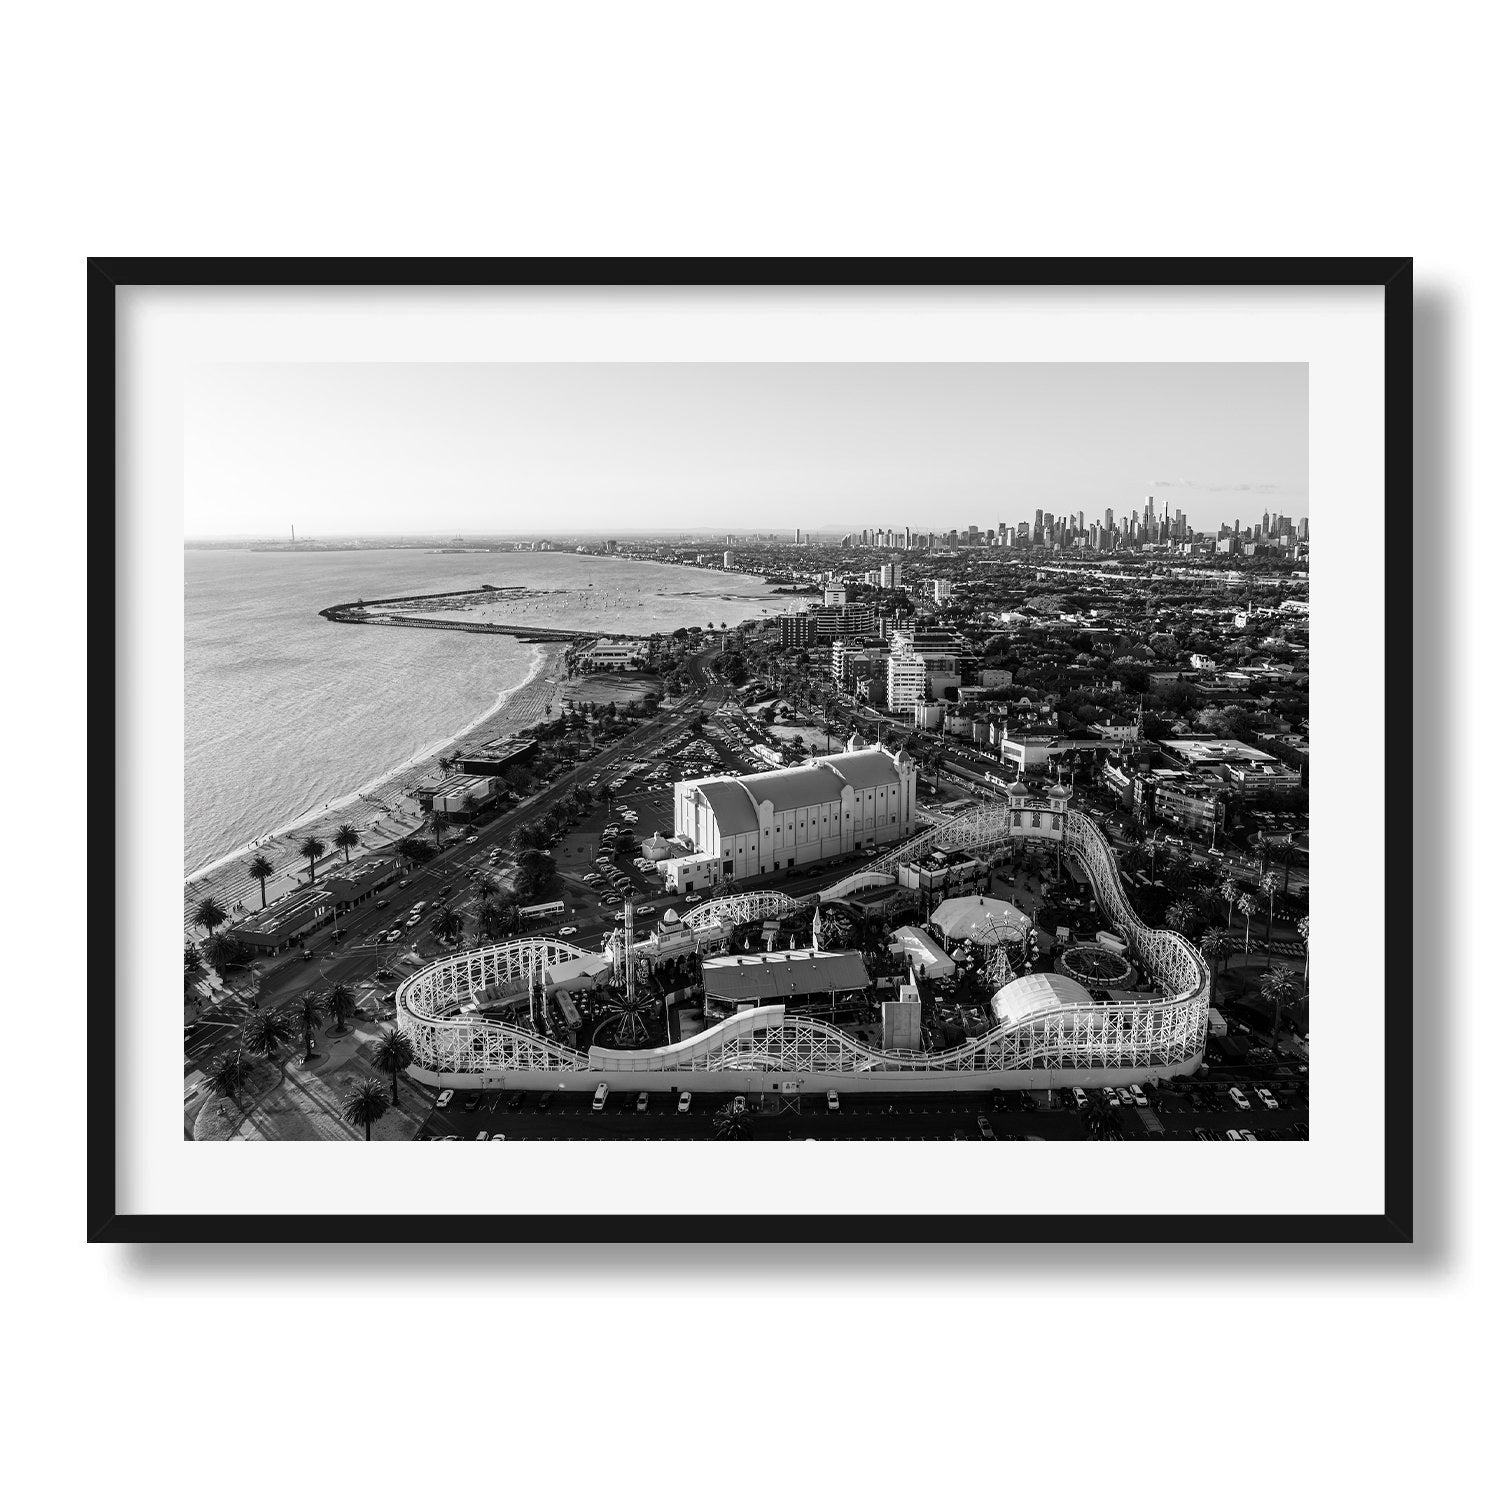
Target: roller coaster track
pixel 1154 1032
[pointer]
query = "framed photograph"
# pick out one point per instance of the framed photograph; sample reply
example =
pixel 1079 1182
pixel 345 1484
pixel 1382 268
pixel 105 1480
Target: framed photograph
pixel 657 715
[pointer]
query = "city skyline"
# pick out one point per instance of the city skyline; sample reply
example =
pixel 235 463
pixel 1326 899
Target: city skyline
pixel 365 450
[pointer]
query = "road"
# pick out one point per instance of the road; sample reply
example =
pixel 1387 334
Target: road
pixel 354 958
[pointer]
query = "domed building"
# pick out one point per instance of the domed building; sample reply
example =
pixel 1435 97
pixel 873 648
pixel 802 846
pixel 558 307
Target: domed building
pixel 1033 996
pixel 980 919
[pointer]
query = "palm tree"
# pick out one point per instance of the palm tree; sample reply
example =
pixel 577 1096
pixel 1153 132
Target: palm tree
pixel 497 919
pixel 1183 916
pixel 1102 1122
pixel 346 838
pixel 1278 985
pixel 1269 885
pixel 209 914
pixel 1249 904
pixel 1214 945
pixel 340 1005
pixel 393 1055
pixel 192 962
pixel 227 1075
pixel 312 851
pixel 1229 889
pixel 310 1011
pixel 367 1104
pixel 262 870
pixel 449 926
pixel 731 1124
pixel 267 1032
pixel 439 823
pixel 1304 931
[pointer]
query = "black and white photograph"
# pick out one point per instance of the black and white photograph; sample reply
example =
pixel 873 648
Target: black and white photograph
pixel 904 752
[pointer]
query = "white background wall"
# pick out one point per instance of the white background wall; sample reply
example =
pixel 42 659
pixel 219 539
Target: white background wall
pixel 841 129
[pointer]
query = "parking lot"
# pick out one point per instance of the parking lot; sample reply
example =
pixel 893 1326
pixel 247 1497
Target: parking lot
pixel 1196 1112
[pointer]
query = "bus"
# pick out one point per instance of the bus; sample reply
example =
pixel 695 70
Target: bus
pixel 542 909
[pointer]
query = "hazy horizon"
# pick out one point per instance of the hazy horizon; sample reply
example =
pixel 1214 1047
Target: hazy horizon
pixel 492 450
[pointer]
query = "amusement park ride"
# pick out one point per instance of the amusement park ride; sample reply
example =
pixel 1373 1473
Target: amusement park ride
pixel 1130 1038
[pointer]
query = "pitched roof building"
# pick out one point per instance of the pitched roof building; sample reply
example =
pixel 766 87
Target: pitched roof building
pixel 800 815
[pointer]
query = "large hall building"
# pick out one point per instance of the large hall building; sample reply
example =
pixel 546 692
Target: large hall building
pixel 742 826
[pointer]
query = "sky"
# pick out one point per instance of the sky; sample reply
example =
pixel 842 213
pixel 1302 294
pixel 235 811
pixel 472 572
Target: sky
pixel 531 449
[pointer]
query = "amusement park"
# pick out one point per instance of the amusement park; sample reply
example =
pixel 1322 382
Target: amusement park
pixel 1044 978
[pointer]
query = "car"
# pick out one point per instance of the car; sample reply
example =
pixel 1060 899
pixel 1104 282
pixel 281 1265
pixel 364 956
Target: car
pixel 384 901
pixel 1248 1135
pixel 566 931
pixel 1138 1095
pixel 471 1103
pixel 684 1103
pixel 545 1102
pixel 514 1102
pixel 1232 1135
pixel 1110 1097
pixel 308 955
pixel 497 1136
pixel 986 1130
pixel 1240 1101
pixel 473 838
pixel 1267 1098
pixel 483 1135
pixel 385 973
pixel 833 1101
pixel 642 1102
pixel 1080 1098
pixel 443 890
pixel 444 1099
pixel 601 1094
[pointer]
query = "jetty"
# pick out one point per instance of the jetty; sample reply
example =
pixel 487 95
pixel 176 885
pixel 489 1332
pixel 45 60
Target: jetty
pixel 357 612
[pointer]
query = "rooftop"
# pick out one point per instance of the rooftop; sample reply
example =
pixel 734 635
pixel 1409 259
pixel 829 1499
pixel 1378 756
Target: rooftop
pixel 763 977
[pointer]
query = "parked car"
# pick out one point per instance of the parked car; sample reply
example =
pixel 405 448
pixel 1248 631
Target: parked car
pixel 986 1130
pixel 642 1102
pixel 1080 1098
pixel 444 1099
pixel 566 931
pixel 471 1103
pixel 1241 1102
pixel 1267 1098
pixel 483 1135
pixel 684 1103
pixel 833 1101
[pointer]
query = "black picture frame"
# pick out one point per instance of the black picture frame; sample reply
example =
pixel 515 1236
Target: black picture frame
pixel 105 1224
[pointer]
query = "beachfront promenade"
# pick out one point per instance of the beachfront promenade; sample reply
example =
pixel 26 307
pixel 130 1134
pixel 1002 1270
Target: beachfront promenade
pixel 383 815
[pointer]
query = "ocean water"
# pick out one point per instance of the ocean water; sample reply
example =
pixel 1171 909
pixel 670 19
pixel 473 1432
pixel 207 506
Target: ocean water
pixel 286 712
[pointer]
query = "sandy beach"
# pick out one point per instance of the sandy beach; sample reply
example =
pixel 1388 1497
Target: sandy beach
pixel 383 811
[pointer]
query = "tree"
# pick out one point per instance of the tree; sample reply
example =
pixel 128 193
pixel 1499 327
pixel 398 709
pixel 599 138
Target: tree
pixel 1215 945
pixel 415 851
pixel 365 1106
pixel 1304 931
pixel 497 919
pixel 210 914
pixel 340 1005
pixel 346 839
pixel 449 925
pixel 312 850
pixel 1102 1121
pixel 227 1075
pixel 393 1055
pixel 267 1032
pixel 731 1124
pixel 1278 984
pixel 440 821
pixel 1183 916
pixel 225 951
pixel 310 1011
pixel 1229 889
pixel 1249 904
pixel 261 869
pixel 192 962
pixel 1270 885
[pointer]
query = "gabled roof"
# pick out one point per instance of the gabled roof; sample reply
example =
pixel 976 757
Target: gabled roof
pixel 782 975
pixel 797 786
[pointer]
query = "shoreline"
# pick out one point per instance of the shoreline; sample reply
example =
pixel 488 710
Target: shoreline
pixel 388 787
